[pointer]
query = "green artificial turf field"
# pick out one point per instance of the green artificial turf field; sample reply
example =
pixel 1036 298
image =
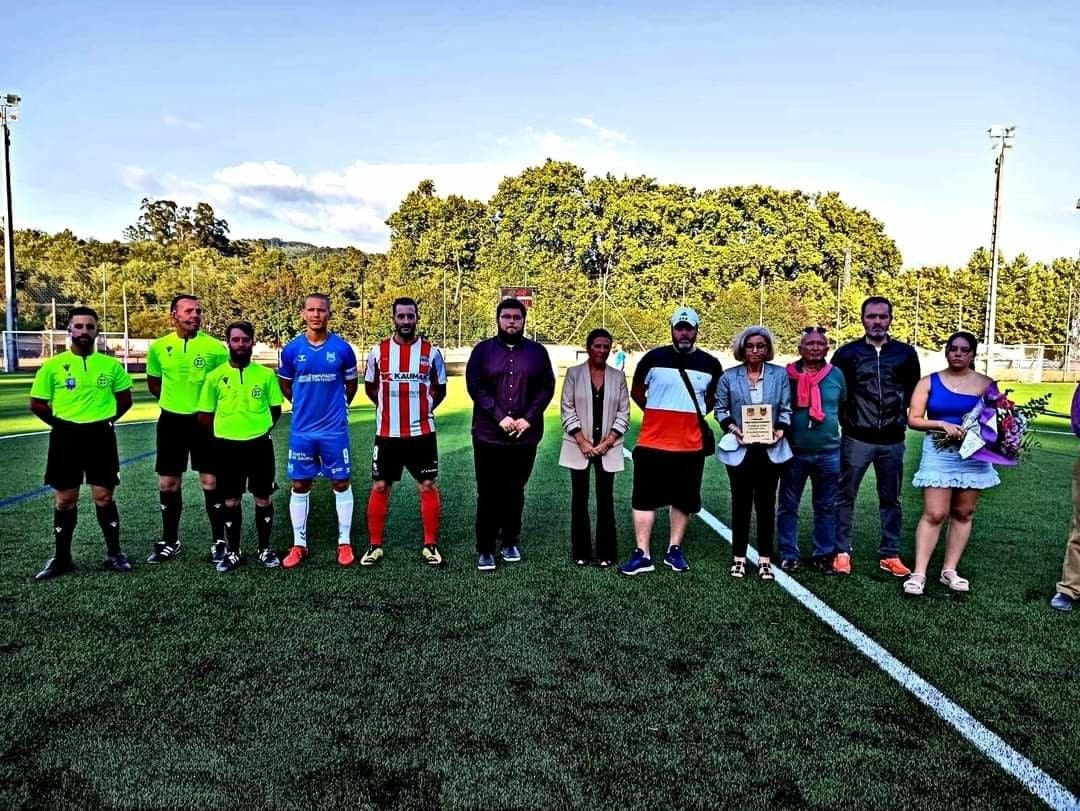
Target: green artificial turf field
pixel 539 685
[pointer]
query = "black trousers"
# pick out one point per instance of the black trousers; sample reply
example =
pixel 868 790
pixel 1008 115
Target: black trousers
pixel 502 471
pixel 580 533
pixel 753 487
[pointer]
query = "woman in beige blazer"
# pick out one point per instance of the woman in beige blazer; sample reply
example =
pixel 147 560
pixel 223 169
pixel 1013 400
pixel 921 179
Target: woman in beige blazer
pixel 595 415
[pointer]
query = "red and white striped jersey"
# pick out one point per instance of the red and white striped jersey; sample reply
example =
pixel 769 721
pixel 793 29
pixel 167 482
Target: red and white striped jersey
pixel 405 374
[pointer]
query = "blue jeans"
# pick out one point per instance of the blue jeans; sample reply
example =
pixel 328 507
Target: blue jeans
pixel 823 471
pixel 888 461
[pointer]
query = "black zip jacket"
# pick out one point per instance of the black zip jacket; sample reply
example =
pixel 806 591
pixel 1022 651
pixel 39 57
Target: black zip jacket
pixel 879 385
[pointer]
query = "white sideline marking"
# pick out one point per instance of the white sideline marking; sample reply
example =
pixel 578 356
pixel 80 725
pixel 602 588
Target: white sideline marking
pixel 43 433
pixel 1034 779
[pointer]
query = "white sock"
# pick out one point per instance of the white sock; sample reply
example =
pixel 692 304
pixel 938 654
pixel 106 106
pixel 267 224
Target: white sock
pixel 344 502
pixel 298 512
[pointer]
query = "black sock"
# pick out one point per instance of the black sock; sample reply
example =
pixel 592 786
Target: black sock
pixel 264 522
pixel 215 511
pixel 63 528
pixel 172 502
pixel 233 519
pixel 108 518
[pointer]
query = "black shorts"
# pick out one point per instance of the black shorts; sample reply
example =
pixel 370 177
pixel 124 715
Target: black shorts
pixel 245 464
pixel 417 454
pixel 178 436
pixel 80 453
pixel 667 478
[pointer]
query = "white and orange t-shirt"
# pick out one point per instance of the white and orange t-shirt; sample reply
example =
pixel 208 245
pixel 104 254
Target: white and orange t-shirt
pixel 671 421
pixel 405 374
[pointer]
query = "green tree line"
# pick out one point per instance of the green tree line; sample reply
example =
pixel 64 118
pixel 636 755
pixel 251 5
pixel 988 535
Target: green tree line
pixel 616 250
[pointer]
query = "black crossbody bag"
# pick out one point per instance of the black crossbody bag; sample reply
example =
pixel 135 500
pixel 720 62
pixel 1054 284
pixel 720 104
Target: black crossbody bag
pixel 708 441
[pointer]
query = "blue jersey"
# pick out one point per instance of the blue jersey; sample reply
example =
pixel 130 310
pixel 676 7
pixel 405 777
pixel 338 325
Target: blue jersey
pixel 318 375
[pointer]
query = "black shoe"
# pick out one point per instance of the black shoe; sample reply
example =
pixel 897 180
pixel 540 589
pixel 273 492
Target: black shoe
pixel 55 568
pixel 218 550
pixel 790 566
pixel 117 563
pixel 229 563
pixel 823 565
pixel 164 552
pixel 268 558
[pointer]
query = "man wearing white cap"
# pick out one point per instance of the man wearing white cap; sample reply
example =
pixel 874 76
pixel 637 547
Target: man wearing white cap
pixel 674 385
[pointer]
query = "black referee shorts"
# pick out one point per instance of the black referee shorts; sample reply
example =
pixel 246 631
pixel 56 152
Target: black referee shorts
pixel 178 437
pixel 82 452
pixel 667 478
pixel 417 454
pixel 245 464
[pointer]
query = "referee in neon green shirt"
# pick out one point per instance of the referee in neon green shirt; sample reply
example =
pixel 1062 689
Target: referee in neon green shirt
pixel 80 394
pixel 240 404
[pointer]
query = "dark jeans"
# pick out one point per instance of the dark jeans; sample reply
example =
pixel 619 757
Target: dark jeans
pixel 888 461
pixel 823 471
pixel 580 534
pixel 753 487
pixel 502 471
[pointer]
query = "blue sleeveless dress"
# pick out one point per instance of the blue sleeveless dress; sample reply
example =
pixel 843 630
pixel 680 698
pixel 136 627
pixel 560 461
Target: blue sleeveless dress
pixel 946 468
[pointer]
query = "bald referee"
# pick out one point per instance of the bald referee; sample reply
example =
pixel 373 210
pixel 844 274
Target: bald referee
pixel 80 394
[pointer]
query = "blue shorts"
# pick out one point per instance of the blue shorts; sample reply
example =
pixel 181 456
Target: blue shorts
pixel 312 455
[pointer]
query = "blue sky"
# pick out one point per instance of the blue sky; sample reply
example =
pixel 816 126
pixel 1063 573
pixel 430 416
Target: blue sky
pixel 311 123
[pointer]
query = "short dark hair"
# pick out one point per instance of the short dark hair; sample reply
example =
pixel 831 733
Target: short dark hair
pixel 510 304
pixel 875 300
pixel 599 332
pixel 323 296
pixel 90 311
pixel 244 326
pixel 404 301
pixel 180 297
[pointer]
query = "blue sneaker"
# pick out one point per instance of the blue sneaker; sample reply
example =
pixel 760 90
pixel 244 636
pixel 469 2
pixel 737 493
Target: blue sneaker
pixel 674 558
pixel 638 564
pixel 485 563
pixel 511 554
pixel 1062 602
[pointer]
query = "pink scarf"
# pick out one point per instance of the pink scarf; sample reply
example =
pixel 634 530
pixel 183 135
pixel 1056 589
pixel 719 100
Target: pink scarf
pixel 808 392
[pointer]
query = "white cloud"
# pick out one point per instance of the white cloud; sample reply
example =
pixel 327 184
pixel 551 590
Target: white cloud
pixel 606 136
pixel 170 120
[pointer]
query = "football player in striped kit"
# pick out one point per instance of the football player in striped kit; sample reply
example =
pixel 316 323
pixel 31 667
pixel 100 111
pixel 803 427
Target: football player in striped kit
pixel 406 380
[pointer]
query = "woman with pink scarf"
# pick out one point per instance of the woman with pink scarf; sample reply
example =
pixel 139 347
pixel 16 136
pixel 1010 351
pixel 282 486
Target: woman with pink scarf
pixel 817 392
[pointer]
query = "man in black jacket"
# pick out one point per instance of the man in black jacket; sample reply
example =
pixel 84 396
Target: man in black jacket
pixel 881 374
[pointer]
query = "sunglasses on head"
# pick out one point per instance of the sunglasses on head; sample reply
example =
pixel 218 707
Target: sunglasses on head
pixel 808 330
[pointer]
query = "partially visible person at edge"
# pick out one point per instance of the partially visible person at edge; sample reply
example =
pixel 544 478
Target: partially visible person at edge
pixel 818 391
pixel 595 408
pixel 753 468
pixel 1068 590
pixel 675 386
pixel 511 382
pixel 240 404
pixel 880 373
pixel 406 380
pixel 318 376
pixel 176 367
pixel 951 484
pixel 80 394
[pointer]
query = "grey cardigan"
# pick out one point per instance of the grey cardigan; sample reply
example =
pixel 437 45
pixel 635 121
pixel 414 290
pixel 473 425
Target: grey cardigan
pixel 734 392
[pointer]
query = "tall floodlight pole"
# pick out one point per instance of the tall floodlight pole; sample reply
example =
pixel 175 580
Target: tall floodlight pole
pixel 8 103
pixel 1000 139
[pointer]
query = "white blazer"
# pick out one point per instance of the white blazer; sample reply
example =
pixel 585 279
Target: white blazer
pixel 577 412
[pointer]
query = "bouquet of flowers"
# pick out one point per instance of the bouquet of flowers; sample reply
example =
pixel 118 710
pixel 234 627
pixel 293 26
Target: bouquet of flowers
pixel 996 429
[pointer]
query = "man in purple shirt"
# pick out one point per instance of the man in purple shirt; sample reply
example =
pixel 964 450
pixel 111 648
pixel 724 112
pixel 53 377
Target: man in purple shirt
pixel 1068 590
pixel 511 382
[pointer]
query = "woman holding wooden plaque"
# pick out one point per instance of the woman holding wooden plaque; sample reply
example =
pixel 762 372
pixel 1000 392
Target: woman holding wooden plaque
pixel 753 407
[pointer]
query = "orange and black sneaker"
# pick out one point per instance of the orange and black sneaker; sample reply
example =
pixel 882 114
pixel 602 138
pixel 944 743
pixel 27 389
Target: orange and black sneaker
pixel 295 557
pixel 842 563
pixel 894 566
pixel 345 556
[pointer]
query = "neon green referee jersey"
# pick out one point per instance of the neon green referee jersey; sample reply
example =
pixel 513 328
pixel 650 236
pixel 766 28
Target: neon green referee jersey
pixel 81 389
pixel 240 400
pixel 183 364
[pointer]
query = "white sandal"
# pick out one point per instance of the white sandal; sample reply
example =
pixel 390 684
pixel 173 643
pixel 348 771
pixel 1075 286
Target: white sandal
pixel 955 582
pixel 915 585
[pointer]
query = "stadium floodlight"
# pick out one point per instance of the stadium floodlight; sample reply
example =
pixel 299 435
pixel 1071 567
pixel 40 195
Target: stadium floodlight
pixel 8 103
pixel 1001 138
